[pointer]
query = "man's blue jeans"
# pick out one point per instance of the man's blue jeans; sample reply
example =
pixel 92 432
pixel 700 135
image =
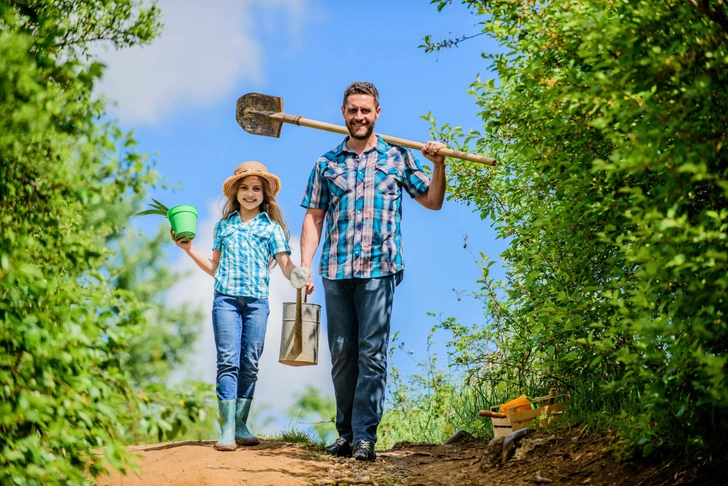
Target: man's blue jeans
pixel 239 325
pixel 358 317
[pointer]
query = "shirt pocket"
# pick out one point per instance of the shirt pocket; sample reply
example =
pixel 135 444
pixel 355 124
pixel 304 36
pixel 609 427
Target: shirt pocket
pixel 336 175
pixel 259 239
pixel 228 237
pixel 387 179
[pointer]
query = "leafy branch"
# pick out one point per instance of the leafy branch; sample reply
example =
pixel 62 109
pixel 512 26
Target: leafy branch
pixel 428 46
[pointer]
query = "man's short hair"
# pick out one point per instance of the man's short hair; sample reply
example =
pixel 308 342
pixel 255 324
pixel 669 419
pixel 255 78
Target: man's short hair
pixel 361 87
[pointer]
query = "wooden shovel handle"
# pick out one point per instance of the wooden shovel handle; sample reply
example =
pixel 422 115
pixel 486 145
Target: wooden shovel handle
pixel 329 127
pixel 480 159
pixel 488 413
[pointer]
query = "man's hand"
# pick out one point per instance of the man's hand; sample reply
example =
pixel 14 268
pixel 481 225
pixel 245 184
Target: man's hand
pixel 430 151
pixel 309 282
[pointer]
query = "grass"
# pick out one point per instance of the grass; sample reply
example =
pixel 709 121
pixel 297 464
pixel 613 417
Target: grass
pixel 298 436
pixel 432 414
pixel 434 417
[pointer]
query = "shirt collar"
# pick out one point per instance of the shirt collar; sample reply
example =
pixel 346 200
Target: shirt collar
pixel 381 146
pixel 263 215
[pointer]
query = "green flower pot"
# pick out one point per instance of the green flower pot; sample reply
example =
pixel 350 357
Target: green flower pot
pixel 183 219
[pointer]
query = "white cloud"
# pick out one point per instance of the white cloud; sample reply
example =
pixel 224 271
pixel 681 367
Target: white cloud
pixel 277 383
pixel 204 51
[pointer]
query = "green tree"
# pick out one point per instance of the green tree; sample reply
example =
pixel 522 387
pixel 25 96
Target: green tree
pixel 158 352
pixel 64 326
pixel 608 120
pixel 170 332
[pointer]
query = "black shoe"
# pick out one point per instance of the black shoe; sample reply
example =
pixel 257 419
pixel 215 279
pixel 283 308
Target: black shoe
pixel 341 448
pixel 364 451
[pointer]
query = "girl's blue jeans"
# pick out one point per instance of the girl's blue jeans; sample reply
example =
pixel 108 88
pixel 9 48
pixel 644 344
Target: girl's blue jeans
pixel 239 325
pixel 358 313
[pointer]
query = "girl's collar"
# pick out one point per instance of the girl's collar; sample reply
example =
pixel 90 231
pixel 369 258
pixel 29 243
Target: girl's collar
pixel 237 214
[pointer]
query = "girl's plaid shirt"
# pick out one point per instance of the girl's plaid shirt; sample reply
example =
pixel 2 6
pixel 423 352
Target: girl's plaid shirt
pixel 245 250
pixel 362 196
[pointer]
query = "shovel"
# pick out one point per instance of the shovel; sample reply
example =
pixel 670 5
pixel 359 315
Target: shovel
pixel 261 114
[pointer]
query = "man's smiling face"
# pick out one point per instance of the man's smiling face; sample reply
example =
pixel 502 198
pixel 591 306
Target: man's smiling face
pixel 360 114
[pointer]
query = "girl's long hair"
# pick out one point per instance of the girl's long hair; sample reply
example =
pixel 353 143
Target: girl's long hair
pixel 269 206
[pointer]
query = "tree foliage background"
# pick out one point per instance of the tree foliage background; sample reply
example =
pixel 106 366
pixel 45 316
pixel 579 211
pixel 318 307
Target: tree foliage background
pixel 609 122
pixel 76 301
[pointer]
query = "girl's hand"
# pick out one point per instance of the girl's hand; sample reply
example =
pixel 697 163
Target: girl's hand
pixel 299 277
pixel 185 245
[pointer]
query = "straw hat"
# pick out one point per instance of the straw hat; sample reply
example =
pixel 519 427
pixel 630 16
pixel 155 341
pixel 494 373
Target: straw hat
pixel 251 168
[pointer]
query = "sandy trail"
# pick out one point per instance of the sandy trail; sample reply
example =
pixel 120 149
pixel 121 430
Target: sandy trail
pixel 565 458
pixel 270 463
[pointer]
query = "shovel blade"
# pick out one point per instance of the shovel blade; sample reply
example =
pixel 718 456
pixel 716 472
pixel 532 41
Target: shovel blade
pixel 253 110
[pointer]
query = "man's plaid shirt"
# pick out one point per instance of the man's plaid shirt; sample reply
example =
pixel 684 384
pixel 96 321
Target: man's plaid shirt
pixel 363 200
pixel 245 250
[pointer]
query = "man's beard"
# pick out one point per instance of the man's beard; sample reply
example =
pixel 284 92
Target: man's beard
pixel 366 135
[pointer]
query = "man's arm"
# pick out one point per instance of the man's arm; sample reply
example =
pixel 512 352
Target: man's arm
pixel 313 223
pixel 434 196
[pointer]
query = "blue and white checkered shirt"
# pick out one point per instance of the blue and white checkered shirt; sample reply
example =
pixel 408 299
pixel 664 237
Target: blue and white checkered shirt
pixel 245 250
pixel 363 200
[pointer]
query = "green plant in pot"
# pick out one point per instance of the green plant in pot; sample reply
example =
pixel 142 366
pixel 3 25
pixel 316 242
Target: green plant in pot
pixel 183 218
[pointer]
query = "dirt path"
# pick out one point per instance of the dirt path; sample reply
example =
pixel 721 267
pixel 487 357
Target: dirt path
pixel 567 459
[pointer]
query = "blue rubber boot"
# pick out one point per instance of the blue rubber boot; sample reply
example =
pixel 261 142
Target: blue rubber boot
pixel 226 442
pixel 242 434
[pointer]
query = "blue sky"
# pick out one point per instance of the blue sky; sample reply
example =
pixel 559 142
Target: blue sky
pixel 178 96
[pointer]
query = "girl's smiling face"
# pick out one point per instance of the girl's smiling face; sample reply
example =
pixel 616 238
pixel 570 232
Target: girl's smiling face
pixel 250 193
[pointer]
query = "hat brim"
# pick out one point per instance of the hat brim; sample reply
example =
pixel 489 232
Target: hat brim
pixel 274 183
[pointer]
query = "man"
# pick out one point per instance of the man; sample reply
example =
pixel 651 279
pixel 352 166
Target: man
pixel 358 187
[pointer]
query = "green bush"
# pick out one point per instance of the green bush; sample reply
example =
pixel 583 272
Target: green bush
pixel 609 123
pixel 66 322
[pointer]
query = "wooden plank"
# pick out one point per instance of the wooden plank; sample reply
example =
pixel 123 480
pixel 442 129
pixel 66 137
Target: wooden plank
pixel 537 412
pixel 519 426
pixel 501 431
pixel 547 397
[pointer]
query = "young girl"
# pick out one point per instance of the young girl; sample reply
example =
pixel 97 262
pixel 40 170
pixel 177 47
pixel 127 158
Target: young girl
pixel 250 236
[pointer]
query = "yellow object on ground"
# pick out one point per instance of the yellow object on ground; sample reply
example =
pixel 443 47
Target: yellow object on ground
pixel 522 403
